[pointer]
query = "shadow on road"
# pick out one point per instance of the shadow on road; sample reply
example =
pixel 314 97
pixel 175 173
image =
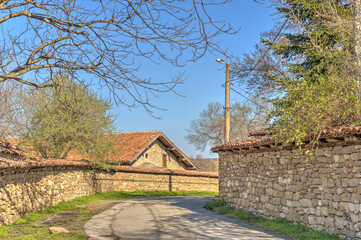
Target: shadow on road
pixel 184 218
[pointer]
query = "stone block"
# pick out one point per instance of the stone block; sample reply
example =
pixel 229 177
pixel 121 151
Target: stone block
pixel 355 218
pixel 351 207
pixel 327 153
pixel 330 221
pixel 320 220
pixel 353 182
pixel 311 220
pixel 339 158
pixel 289 195
pixel 346 197
pixel 356 156
pixel 343 206
pixel 355 198
pixel 324 211
pixel 340 222
pixel 305 202
pixel 337 150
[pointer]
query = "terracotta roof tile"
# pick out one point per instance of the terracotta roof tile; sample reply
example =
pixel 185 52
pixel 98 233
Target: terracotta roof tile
pixel 127 145
pixel 330 132
pixel 133 143
pixel 164 171
pixel 8 162
pixel 8 148
pixel 260 133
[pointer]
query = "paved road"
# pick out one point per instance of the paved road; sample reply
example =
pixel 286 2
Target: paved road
pixel 168 218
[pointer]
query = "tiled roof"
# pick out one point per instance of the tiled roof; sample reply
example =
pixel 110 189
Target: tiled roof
pixel 260 133
pixel 164 171
pixel 9 162
pixel 8 148
pixel 13 162
pixel 330 134
pixel 127 145
pixel 130 145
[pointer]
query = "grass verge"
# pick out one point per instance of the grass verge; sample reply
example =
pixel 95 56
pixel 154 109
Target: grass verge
pixel 280 226
pixel 73 214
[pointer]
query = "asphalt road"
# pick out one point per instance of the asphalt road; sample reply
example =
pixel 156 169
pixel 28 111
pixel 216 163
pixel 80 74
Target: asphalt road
pixel 169 218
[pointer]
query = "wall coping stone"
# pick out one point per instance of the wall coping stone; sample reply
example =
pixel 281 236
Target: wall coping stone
pixel 343 136
pixel 9 163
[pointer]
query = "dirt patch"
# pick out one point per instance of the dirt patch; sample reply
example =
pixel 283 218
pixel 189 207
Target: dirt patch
pixel 101 205
pixel 75 219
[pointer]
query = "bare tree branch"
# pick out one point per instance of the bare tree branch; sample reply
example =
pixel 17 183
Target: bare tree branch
pixel 105 41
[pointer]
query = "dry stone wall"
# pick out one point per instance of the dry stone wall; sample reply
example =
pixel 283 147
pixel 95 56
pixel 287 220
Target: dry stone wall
pixel 24 190
pixel 323 192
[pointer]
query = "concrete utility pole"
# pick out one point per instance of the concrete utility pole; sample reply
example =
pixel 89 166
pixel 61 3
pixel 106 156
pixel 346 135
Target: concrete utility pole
pixel 227 113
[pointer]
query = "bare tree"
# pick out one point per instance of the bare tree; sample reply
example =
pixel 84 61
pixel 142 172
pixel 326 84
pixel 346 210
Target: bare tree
pixel 103 39
pixel 13 116
pixel 208 129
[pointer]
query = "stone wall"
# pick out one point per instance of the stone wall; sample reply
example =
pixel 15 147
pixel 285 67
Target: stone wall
pixel 323 192
pixel 32 189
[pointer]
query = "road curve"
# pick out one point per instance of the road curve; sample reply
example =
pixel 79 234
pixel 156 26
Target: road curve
pixel 169 218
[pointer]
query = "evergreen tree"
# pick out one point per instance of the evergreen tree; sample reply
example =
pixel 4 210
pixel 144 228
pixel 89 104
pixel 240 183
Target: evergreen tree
pixel 320 90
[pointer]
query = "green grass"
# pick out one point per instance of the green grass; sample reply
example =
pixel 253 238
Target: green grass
pixel 27 227
pixel 280 226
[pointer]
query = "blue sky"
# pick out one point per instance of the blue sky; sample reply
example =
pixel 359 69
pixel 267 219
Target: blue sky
pixel 205 79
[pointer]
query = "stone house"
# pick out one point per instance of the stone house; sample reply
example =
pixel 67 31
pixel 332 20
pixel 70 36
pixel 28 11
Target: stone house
pixel 147 149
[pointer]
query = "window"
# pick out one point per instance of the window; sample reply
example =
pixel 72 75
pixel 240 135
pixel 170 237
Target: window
pixel 164 160
pixel 146 155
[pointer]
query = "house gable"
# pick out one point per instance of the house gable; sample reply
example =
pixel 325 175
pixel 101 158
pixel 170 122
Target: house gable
pixel 139 149
pixel 133 145
pixel 153 157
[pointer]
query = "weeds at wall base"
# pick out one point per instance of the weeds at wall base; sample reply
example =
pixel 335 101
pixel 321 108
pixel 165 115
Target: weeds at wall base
pixel 279 226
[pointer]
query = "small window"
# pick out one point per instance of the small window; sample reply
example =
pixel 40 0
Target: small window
pixel 146 155
pixel 164 160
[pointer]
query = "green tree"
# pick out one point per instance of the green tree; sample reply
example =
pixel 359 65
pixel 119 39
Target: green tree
pixel 306 66
pixel 70 117
pixel 321 91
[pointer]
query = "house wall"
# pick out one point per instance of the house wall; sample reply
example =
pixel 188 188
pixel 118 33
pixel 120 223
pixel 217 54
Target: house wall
pixel 155 157
pixel 323 193
pixel 23 190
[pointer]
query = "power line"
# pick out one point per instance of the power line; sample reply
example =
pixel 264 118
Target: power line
pixel 261 106
pixel 256 65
